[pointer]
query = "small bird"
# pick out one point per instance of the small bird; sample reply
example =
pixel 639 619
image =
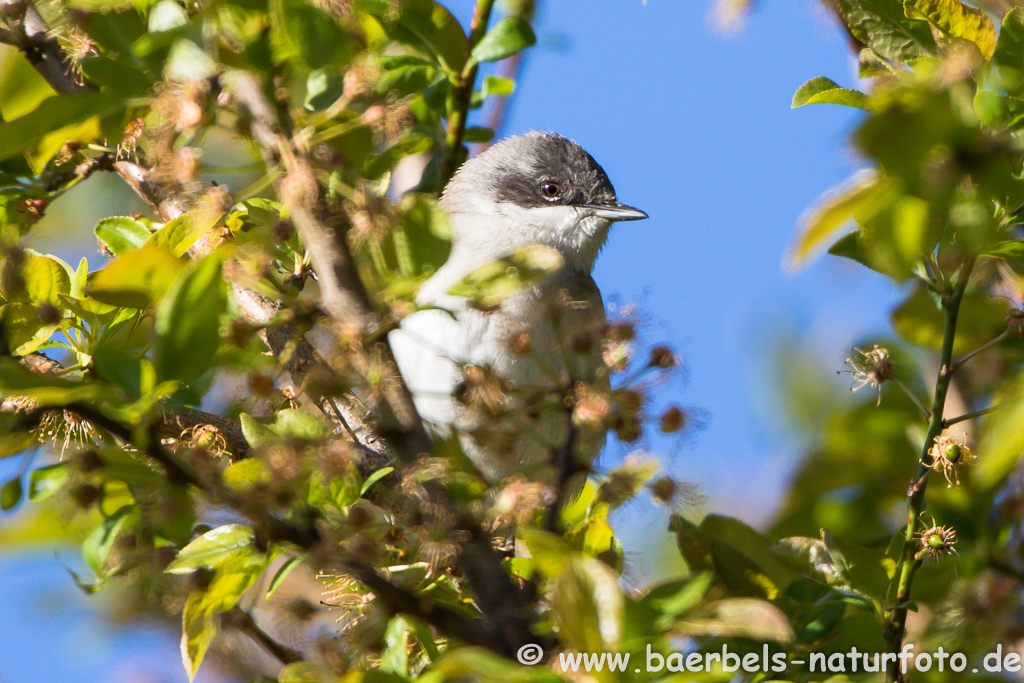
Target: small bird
pixel 489 373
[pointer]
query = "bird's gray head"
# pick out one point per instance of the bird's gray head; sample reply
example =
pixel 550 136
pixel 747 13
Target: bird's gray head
pixel 546 189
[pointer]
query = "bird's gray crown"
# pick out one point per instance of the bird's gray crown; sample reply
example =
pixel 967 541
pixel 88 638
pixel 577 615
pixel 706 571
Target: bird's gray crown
pixel 532 170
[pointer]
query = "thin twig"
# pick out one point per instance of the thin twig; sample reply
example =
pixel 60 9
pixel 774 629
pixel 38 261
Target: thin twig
pixel 980 349
pixel 243 622
pixel 914 399
pixel 968 416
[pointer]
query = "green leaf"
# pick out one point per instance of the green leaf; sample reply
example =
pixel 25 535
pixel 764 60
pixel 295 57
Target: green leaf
pixel 179 234
pixel 492 283
pixel 11 493
pixel 1003 439
pixel 675 598
pixel 187 61
pixel 282 573
pixel 918 321
pixel 188 323
pixel 136 280
pixel 214 548
pixel 820 90
pixel 428 26
pixel 118 77
pixel 882 26
pixel 199 623
pixel 46 390
pixel 1009 53
pixel 504 39
pixel 323 88
pixel 832 213
pixel 41 279
pixel 121 234
pixel 496 85
pixel 43 482
pixel 244 475
pixel 742 617
pixel 374 478
pixel 254 432
pixel 98 544
pixel 551 552
pixel 395 657
pixel 1011 251
pixel 956 19
pixel 588 606
pixel 54 114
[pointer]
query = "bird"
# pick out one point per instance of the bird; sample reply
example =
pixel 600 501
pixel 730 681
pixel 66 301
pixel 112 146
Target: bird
pixel 486 374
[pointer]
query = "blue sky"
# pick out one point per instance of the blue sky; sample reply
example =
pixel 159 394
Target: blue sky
pixel 694 127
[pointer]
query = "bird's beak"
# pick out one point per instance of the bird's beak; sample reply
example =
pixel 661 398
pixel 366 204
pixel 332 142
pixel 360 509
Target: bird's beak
pixel 616 212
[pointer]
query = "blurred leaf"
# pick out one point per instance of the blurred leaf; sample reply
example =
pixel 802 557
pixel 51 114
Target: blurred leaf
pixel 743 617
pixel 53 114
pixel 313 35
pixel 46 390
pixel 243 476
pixel 491 284
pixel 323 88
pixel 121 234
pixel 428 26
pixel 1009 52
pixel 179 234
pixel 956 19
pixel 482 666
pixel 504 39
pixel 834 212
pixel 820 90
pixel 188 323
pixel 187 61
pixel 43 482
pixel 550 551
pixel 497 85
pixel 199 623
pixel 1003 439
pixel 981 318
pixel 137 279
pixel 11 493
pixel 97 546
pixel 286 568
pixel 214 548
pixel 588 606
pixel 672 599
pixel 882 26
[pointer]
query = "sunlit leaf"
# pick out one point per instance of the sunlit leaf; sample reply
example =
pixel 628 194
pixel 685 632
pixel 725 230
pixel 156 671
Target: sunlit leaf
pixel 835 211
pixel 883 27
pixel 504 39
pixel 956 19
pixel 121 234
pixel 820 90
pixel 491 284
pixel 136 280
pixel 213 549
pixel 188 323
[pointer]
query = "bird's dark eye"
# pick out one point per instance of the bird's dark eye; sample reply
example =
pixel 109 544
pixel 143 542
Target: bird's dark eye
pixel 551 190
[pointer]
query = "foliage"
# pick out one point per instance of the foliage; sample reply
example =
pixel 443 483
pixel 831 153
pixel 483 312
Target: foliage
pixel 322 468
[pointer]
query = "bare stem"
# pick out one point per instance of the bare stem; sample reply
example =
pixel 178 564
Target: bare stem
pixel 980 349
pixel 898 621
pixel 968 416
pixel 913 397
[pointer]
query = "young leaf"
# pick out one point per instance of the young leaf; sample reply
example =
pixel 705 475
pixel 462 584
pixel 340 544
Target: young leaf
pixel 121 234
pixel 136 280
pixel 53 114
pixel 188 323
pixel 956 19
pixel 833 213
pixel 214 548
pixel 507 37
pixel 588 606
pixel 820 90
pixel 180 233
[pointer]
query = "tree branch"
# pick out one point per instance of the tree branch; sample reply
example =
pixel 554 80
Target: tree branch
pixel 27 31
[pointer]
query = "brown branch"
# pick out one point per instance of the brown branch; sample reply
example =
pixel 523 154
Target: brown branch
pixel 27 31
pixel 343 294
